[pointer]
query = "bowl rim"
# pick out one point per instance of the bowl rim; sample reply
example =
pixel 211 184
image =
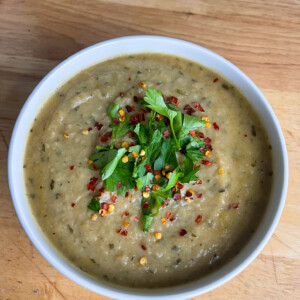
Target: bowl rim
pixel 83 279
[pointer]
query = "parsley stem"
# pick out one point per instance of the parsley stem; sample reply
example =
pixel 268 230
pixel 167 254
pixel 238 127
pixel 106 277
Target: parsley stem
pixel 175 138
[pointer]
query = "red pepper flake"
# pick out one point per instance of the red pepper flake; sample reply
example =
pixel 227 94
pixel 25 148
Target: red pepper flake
pixel 245 135
pixel 198 219
pixel 135 219
pixel 144 247
pixel 167 121
pixel 235 205
pixel 73 204
pixel 171 99
pixel 167 133
pixel 205 162
pixel 216 126
pixel 92 184
pixel 137 99
pixel 71 168
pixel 104 205
pixel 202 150
pixel 147 167
pixel 118 231
pixel 192 132
pixel 147 188
pixel 135 119
pixel 135 188
pixel 127 194
pixel 124 214
pixel 198 106
pixel 124 232
pixel 115 120
pixel 164 204
pixel 130 108
pixel 129 78
pixel 182 232
pixel 207 140
pixel 209 147
pixel 180 185
pixel 188 194
pixel 102 190
pixel 174 189
pixel 130 134
pixel 196 165
pixel 157 172
pixel 120 183
pixel 146 204
pixel 95 167
pixel 188 109
pixel 200 135
pixel 177 196
pixel 98 125
pixel 143 111
pixel 104 139
pixel 90 128
pixel 199 195
pixel 215 80
pixel 122 94
pixel 174 218
pixel 168 215
pixel 113 198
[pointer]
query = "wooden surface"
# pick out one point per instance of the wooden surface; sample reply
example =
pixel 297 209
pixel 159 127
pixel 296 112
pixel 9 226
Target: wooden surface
pixel 261 37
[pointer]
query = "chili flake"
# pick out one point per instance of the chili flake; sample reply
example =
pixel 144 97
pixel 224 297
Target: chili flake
pixel 198 219
pixel 235 205
pixel 216 127
pixel 192 133
pixel 167 133
pixel 215 80
pixel 177 196
pixel 198 106
pixel 73 204
pixel 144 247
pixel 188 109
pixel 71 168
pixel 98 125
pixel 182 232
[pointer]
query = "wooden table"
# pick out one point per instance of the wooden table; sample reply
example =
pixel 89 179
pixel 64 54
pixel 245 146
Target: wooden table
pixel 261 37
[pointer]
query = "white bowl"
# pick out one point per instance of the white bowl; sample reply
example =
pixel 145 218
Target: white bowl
pixel 136 44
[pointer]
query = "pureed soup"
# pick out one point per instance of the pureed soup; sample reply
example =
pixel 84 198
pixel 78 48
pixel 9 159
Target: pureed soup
pixel 148 170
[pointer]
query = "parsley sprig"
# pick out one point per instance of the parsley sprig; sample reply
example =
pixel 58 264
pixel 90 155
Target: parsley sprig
pixel 160 148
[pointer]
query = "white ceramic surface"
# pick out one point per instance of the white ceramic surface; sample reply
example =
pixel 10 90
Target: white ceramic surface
pixel 128 45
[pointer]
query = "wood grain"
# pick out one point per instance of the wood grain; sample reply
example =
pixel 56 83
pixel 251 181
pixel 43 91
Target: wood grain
pixel 261 37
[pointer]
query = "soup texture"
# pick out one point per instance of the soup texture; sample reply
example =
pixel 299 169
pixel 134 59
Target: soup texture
pixel 190 237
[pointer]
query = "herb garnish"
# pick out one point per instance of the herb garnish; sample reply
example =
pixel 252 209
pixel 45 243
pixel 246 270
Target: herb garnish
pixel 150 164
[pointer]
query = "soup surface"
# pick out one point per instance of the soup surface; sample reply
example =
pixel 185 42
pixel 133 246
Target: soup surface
pixel 231 199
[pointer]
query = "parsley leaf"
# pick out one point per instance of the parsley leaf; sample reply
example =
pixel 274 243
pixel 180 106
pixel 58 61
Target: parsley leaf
pixel 156 102
pixel 110 167
pixel 94 205
pixel 144 181
pixel 174 177
pixel 189 171
pixel 154 146
pixel 141 131
pixel 102 158
pixel 123 174
pixel 113 110
pixel 190 123
pixel 121 129
pixel 147 221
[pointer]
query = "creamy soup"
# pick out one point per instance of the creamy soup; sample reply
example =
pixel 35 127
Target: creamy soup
pixel 197 235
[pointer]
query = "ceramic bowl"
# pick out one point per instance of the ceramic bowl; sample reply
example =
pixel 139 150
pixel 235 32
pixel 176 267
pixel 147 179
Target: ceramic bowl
pixel 128 45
